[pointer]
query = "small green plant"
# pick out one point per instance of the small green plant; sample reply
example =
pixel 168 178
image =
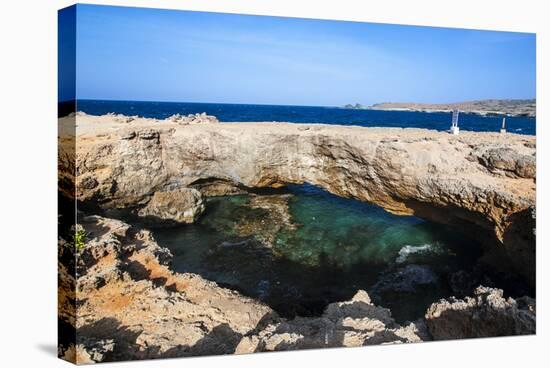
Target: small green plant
pixel 79 240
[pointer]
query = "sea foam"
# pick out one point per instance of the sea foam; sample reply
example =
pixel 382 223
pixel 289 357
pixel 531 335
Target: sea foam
pixel 407 250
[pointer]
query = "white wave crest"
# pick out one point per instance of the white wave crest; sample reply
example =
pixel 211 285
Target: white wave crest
pixel 407 250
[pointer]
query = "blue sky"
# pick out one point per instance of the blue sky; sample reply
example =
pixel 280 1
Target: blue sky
pixel 166 55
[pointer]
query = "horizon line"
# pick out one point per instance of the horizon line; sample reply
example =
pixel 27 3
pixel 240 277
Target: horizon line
pixel 271 104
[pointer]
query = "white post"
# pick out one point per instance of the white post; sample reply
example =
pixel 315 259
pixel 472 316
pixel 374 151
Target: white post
pixel 454 123
pixel 503 128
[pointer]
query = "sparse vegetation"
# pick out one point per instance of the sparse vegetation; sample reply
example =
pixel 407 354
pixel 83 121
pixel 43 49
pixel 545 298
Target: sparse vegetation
pixel 79 239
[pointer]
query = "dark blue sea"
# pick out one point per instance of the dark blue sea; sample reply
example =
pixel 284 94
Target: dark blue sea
pixel 309 114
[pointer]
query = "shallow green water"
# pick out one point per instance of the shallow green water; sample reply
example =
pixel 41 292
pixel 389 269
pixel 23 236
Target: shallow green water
pixel 331 248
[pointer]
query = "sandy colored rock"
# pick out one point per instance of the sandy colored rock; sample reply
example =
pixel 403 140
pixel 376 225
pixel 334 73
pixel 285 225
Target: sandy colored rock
pixel 509 162
pixel 434 175
pixel 132 306
pixel 181 206
pixel 201 118
pixel 356 322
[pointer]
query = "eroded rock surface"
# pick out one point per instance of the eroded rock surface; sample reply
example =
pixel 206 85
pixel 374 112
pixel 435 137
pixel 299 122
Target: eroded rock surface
pixel 480 182
pixel 509 162
pixel 201 118
pixel 485 314
pixel 356 322
pixel 181 206
pixel 132 306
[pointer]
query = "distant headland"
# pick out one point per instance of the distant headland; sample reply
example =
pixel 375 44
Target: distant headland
pixel 481 107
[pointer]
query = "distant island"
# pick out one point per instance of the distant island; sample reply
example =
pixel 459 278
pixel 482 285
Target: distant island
pixel 356 107
pixel 481 107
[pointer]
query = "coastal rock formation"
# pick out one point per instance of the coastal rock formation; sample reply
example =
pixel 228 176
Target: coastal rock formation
pixel 356 322
pixel 509 162
pixel 480 107
pixel 486 314
pixel 456 180
pixel 193 119
pixel 181 206
pixel 132 306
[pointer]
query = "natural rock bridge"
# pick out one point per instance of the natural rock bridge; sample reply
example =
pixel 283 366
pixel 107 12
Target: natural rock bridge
pixel 482 182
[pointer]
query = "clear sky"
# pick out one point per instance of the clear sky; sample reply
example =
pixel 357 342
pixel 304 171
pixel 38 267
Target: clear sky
pixel 167 55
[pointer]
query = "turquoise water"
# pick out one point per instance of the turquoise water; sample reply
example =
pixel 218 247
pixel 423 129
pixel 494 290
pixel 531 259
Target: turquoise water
pixel 325 251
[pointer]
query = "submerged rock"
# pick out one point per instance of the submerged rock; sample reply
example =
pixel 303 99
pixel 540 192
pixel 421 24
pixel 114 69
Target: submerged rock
pixel 259 217
pixel 276 217
pixel 486 314
pixel 405 279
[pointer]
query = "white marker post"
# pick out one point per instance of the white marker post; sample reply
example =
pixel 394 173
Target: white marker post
pixel 503 128
pixel 454 123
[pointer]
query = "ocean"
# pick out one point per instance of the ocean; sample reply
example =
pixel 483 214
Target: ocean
pixel 309 114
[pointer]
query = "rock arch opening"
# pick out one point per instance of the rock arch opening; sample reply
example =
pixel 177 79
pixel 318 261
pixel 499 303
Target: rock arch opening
pixel 460 181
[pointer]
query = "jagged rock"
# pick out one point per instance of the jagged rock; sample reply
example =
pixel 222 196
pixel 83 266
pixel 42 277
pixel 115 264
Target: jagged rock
pixel 90 351
pixel 176 118
pixel 89 182
pixel 356 322
pixel 149 134
pixel 202 118
pixel 124 119
pixel 100 247
pixel 509 162
pixel 406 171
pixel 181 206
pixel 149 311
pixel 216 187
pixel 128 135
pixel 463 282
pixel 527 303
pixel 486 314
pixel 405 279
